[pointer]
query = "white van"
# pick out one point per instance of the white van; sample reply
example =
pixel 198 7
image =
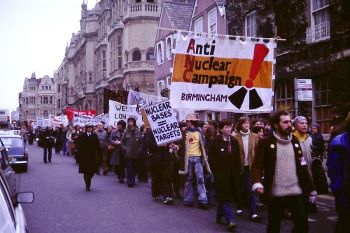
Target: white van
pixel 5 118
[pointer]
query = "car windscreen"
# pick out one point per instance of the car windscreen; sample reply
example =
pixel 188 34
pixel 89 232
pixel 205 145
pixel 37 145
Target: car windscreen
pixel 10 142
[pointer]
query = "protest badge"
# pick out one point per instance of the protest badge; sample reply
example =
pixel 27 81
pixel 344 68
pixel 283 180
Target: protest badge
pixel 222 74
pixel 163 123
pixel 118 111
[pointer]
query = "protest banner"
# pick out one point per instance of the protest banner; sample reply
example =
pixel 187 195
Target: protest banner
pixel 70 112
pixel 118 111
pixel 40 121
pixel 82 120
pixel 222 74
pixel 163 123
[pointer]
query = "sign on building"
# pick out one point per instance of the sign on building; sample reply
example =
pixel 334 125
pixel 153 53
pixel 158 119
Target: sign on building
pixel 304 89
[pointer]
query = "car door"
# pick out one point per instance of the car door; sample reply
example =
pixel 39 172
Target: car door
pixel 7 215
pixel 7 170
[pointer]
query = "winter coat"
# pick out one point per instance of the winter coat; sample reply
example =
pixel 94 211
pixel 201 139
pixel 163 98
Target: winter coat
pixel 317 145
pixel 264 165
pixel 88 153
pixel 339 169
pixel 252 143
pixel 226 167
pixel 102 137
pixel 47 138
pixel 132 143
pixel 117 155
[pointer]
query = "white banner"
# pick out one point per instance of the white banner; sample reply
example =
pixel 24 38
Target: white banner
pixel 82 120
pixel 142 99
pixel 163 123
pixel 221 74
pixel 118 111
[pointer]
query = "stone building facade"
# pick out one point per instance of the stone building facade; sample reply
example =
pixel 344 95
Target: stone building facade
pixel 113 49
pixel 38 98
pixel 317 47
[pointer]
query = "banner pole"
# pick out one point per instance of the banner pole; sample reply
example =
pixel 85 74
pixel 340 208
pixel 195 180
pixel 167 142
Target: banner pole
pixel 206 33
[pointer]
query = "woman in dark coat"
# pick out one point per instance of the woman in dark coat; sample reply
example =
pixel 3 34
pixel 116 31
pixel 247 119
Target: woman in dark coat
pixel 117 157
pixel 87 154
pixel 46 139
pixel 225 162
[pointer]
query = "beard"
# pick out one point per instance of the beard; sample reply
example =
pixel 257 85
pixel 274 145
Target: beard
pixel 285 132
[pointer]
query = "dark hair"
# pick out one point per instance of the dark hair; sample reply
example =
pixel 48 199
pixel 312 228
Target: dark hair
pixel 225 122
pixel 122 123
pixel 257 129
pixel 210 133
pixel 133 120
pixel 213 123
pixel 276 117
pixel 240 122
pixel 182 124
pixel 347 123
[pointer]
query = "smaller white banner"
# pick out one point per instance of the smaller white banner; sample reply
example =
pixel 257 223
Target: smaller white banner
pixel 118 111
pixel 82 120
pixel 163 123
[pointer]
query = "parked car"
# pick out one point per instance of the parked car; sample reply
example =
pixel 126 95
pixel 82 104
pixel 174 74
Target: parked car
pixel 7 169
pixel 12 218
pixel 17 153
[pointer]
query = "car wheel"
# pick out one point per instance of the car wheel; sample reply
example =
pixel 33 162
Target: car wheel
pixel 25 168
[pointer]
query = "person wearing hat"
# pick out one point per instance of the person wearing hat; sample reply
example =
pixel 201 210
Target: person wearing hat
pixel 103 138
pixel 301 133
pixel 195 156
pixel 132 146
pixel 88 154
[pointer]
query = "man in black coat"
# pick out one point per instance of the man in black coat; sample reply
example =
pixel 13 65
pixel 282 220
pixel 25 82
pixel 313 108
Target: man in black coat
pixel 46 138
pixel 88 154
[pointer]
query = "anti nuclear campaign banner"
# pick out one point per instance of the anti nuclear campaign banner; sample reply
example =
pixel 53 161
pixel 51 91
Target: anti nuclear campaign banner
pixel 222 74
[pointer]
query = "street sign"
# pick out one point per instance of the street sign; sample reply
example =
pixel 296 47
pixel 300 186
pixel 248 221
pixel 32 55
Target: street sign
pixel 304 89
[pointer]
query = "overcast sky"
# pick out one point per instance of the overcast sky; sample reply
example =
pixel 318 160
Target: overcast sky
pixel 33 38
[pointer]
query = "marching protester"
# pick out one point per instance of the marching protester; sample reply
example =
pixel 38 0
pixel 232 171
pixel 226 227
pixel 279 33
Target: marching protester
pixel 46 139
pixel 24 134
pixel 339 173
pixel 161 159
pixel 276 154
pixel 132 146
pixel 103 138
pixel 69 137
pixel 142 162
pixel 247 142
pixel 301 133
pixel 225 160
pixel 117 153
pixel 88 146
pixel 58 140
pixel 195 156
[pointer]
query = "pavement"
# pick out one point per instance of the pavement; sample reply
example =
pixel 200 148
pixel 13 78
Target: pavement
pixel 63 206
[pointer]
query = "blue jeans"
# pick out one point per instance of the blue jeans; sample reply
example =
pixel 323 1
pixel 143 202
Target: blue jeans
pixel 195 166
pixel 64 147
pixel 130 172
pixel 247 185
pixel 224 209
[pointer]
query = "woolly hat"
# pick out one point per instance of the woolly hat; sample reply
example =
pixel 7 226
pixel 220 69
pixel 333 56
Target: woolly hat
pixel 298 119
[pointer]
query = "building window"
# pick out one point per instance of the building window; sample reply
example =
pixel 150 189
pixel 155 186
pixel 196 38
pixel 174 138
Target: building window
pixel 160 52
pixel 160 86
pixel 169 48
pixel 322 99
pixel 284 95
pixel 320 26
pixel 136 55
pixel 90 76
pixel 104 64
pixel 59 103
pixel 250 24
pixel 45 100
pixel 51 100
pixel 58 88
pixel 168 81
pixel 212 21
pixel 150 54
pixel 198 25
pixel 120 48
pixel 45 113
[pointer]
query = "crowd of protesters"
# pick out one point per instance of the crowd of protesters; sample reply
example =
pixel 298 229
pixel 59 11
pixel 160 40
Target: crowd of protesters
pixel 278 162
